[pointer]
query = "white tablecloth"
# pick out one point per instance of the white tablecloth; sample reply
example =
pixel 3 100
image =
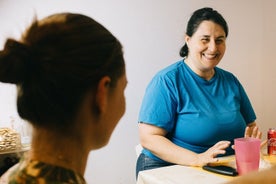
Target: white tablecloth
pixel 194 175
pixel 180 175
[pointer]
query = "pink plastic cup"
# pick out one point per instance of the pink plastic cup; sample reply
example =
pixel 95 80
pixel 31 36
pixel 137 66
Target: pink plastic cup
pixel 247 154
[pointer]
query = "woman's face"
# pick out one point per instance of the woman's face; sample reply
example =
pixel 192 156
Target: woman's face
pixel 117 101
pixel 206 46
pixel 97 124
pixel 115 109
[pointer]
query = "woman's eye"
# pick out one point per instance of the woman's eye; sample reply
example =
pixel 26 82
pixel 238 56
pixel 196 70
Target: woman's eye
pixel 219 41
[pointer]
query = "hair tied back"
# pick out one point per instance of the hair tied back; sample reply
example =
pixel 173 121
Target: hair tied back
pixel 15 62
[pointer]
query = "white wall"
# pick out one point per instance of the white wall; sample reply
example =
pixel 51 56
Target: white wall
pixel 152 34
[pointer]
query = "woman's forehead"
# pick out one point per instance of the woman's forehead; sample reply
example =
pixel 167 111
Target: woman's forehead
pixel 207 28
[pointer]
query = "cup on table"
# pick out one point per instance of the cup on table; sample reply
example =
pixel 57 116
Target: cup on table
pixel 247 154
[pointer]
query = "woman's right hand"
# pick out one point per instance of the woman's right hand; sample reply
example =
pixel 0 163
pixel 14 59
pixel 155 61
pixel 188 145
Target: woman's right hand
pixel 210 155
pixel 154 139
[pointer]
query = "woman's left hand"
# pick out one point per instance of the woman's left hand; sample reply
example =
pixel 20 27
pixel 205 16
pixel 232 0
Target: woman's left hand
pixel 253 131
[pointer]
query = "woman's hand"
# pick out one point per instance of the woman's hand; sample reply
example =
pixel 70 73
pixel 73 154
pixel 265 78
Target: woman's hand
pixel 253 131
pixel 210 155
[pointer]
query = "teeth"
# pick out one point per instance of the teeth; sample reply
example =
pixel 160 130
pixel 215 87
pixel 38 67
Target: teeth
pixel 210 56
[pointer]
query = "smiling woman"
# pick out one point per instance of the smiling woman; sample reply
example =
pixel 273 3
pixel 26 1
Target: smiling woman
pixel 192 110
pixel 207 47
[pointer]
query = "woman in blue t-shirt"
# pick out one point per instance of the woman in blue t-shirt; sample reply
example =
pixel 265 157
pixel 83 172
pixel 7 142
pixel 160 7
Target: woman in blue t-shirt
pixel 192 110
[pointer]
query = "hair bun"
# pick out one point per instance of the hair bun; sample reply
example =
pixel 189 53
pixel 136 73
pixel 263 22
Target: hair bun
pixel 14 61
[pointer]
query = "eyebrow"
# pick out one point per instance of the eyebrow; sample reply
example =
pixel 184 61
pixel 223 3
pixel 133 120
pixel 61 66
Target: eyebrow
pixel 219 37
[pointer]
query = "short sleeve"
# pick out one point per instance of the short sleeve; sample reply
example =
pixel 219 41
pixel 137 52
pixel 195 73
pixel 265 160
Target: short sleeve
pixel 246 108
pixel 159 105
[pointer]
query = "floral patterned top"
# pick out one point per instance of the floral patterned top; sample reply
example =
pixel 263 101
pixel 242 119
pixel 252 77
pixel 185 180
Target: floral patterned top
pixel 36 172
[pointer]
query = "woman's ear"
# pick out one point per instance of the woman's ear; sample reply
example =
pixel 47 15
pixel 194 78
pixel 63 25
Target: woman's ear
pixel 101 96
pixel 187 39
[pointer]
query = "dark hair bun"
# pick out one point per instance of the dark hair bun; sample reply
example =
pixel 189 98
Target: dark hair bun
pixel 14 61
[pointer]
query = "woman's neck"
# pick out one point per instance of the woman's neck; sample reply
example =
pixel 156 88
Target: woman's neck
pixel 56 149
pixel 205 74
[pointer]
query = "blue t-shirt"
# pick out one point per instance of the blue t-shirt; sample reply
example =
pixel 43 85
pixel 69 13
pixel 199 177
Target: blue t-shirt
pixel 195 112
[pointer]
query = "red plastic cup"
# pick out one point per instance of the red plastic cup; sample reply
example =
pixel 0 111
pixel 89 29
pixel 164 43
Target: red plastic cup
pixel 247 154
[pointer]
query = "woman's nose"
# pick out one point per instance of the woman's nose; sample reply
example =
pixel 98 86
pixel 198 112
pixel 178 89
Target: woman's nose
pixel 212 46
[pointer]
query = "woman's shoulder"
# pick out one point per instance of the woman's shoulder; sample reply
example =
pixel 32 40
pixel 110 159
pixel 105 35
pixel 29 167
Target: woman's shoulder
pixel 35 171
pixel 224 73
pixel 221 70
pixel 171 69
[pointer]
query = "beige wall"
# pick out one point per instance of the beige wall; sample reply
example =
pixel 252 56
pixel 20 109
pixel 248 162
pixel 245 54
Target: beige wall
pixel 267 111
pixel 251 55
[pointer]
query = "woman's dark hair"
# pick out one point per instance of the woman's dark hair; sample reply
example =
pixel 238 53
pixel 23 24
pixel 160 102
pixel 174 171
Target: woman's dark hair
pixel 59 59
pixel 199 16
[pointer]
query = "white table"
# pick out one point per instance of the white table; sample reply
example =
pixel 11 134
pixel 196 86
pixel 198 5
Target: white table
pixel 195 175
pixel 180 175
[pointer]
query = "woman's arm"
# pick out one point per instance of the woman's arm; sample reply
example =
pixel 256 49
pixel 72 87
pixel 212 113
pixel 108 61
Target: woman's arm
pixel 154 139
